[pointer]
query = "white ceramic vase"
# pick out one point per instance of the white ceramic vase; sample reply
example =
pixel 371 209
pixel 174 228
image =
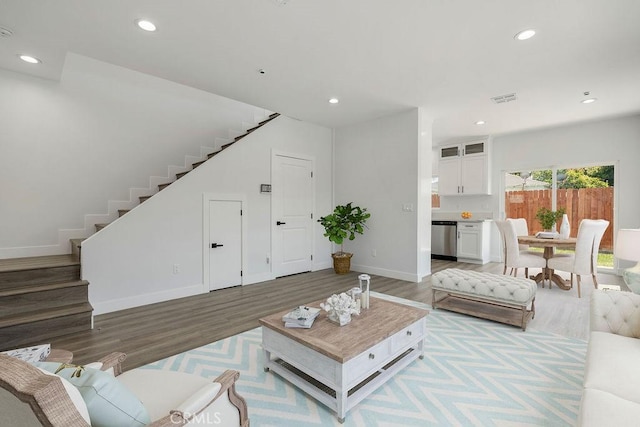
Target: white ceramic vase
pixel 565 227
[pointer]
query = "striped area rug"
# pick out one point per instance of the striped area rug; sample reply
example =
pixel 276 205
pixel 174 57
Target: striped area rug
pixel 475 373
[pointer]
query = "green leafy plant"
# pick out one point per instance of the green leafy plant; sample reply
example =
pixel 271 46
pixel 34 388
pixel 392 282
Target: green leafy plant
pixel 549 218
pixel 344 222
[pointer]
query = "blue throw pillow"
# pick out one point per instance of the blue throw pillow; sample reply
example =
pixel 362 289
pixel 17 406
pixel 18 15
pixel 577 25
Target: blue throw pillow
pixel 108 401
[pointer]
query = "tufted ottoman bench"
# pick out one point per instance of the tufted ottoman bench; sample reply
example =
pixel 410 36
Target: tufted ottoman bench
pixel 489 296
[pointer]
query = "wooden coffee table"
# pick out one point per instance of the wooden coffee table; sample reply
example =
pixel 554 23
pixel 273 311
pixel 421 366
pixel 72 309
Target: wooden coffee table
pixel 341 365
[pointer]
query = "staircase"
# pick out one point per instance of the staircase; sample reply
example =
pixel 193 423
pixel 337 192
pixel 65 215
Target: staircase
pixel 76 243
pixel 41 298
pixel 44 297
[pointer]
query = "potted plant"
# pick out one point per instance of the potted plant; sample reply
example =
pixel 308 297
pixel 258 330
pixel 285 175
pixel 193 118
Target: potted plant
pixel 344 222
pixel 548 218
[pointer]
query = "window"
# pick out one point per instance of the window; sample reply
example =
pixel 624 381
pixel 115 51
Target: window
pixel 583 192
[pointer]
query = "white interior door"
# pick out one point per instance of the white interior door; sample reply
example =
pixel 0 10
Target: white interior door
pixel 225 243
pixel 292 198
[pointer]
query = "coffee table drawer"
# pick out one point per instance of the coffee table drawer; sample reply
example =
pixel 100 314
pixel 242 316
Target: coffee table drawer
pixel 371 360
pixel 411 334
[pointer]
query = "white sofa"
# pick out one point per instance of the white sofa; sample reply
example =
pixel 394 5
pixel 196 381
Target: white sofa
pixel 611 394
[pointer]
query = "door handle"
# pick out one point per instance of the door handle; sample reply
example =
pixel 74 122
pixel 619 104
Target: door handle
pixel 280 223
pixel 216 245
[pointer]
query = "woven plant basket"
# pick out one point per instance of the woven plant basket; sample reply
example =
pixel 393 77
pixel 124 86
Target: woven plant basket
pixel 342 262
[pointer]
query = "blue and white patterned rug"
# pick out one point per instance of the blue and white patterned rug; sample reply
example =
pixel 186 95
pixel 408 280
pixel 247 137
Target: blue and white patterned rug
pixel 475 373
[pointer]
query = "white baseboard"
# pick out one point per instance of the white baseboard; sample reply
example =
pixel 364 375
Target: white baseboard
pixel 257 278
pixel 392 274
pixel 103 307
pixel 322 266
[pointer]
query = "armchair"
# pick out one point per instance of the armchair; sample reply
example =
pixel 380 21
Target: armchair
pixel 31 396
pixel 610 395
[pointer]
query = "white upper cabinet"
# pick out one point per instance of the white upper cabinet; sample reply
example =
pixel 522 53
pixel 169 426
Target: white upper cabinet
pixel 464 169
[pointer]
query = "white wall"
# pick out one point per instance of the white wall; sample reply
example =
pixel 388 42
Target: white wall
pixel 379 165
pixel 613 141
pixel 425 172
pixel 68 147
pixel 130 263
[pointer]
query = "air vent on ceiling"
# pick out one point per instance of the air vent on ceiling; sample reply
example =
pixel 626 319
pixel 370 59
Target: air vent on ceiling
pixel 5 32
pixel 504 98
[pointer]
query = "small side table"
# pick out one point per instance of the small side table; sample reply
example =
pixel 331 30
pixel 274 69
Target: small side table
pixel 60 356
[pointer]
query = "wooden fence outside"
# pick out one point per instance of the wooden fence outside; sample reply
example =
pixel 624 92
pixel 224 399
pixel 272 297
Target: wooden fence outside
pixel 583 203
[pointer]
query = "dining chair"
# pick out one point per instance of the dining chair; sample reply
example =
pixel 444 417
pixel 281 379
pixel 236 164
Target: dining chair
pixel 585 258
pixel 522 229
pixel 514 258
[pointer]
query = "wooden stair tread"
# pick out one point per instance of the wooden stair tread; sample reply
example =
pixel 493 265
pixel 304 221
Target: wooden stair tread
pixel 30 317
pixel 34 263
pixel 26 289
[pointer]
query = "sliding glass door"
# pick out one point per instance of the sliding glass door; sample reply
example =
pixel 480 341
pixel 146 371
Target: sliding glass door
pixel 584 192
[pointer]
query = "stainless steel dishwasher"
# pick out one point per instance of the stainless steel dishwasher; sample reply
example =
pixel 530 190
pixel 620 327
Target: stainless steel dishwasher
pixel 444 240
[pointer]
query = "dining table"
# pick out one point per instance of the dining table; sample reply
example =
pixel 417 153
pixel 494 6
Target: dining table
pixel 549 246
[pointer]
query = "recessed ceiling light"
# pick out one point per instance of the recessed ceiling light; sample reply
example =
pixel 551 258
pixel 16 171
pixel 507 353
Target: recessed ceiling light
pixel 334 101
pixel 480 122
pixel 525 34
pixel 30 59
pixel 146 25
pixel 589 100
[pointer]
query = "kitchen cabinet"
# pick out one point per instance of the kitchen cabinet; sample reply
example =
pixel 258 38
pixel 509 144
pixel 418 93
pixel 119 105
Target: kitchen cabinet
pixel 463 169
pixel 473 242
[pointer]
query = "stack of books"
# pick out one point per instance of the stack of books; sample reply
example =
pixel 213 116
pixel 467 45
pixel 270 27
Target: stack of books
pixel 300 317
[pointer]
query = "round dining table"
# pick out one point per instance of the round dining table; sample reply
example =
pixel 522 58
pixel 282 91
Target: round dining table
pixel 549 246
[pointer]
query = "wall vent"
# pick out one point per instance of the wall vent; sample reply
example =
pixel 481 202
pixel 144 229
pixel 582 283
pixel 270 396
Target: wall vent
pixel 504 98
pixel 5 32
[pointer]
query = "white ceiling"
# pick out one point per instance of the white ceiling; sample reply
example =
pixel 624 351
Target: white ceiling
pixel 378 57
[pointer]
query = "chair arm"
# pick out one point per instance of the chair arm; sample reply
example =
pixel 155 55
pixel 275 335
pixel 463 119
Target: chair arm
pixel 113 360
pixel 206 405
pixel 615 312
pixel 228 381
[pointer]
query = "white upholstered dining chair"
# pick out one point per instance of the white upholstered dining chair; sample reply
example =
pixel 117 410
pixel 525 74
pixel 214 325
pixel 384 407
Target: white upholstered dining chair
pixel 514 258
pixel 585 259
pixel 522 229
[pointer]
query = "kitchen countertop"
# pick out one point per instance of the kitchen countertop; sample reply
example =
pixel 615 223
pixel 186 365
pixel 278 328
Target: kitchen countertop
pixel 455 216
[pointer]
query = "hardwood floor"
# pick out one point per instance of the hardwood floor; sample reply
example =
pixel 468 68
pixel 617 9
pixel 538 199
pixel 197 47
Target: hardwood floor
pixel 156 331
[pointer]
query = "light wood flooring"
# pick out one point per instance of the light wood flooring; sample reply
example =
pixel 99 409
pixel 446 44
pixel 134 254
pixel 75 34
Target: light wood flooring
pixel 156 331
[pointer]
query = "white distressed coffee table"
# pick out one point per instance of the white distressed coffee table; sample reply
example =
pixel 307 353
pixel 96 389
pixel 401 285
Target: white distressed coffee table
pixel 341 365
